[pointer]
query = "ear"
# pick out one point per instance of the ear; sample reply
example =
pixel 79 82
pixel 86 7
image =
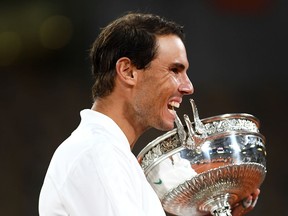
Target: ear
pixel 126 70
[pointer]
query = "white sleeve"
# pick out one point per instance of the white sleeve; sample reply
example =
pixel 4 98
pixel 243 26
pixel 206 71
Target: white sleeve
pixel 49 197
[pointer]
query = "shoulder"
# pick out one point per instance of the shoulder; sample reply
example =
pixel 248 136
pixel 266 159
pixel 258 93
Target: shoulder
pixel 93 149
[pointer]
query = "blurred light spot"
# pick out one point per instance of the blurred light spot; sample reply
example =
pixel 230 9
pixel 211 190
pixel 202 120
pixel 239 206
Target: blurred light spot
pixel 10 47
pixel 56 32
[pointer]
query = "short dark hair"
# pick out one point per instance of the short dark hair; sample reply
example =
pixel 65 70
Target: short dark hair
pixel 133 36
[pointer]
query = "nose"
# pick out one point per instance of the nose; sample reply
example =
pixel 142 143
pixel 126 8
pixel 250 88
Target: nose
pixel 186 87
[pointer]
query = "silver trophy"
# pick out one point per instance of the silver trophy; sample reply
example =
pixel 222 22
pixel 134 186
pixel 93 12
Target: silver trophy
pixel 206 166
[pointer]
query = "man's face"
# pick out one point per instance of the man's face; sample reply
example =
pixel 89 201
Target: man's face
pixel 162 85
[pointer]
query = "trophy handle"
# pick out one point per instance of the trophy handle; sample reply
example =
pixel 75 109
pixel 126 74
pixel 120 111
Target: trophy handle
pixel 196 136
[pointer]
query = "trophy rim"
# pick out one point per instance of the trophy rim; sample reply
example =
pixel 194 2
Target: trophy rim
pixel 166 154
pixel 246 116
pixel 160 156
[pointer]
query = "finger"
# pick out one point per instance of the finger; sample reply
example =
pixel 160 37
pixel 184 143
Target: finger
pixel 244 207
pixel 254 202
pixel 238 210
pixel 246 203
pixel 255 194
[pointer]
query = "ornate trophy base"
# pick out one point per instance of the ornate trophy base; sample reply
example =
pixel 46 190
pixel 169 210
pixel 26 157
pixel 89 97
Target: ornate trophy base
pixel 214 191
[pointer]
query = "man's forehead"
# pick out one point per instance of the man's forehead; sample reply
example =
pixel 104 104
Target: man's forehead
pixel 171 50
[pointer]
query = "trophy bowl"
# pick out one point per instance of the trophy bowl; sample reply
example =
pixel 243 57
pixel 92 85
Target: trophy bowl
pixel 206 166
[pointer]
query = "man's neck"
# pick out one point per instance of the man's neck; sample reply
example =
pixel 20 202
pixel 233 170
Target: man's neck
pixel 114 109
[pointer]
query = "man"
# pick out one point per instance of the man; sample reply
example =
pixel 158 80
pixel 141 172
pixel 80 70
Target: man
pixel 140 67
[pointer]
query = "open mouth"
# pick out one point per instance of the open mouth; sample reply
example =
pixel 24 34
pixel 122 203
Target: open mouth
pixel 173 105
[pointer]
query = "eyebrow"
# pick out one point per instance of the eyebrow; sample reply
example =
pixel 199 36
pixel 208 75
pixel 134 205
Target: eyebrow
pixel 178 65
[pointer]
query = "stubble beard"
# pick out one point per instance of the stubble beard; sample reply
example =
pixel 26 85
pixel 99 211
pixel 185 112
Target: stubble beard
pixel 151 118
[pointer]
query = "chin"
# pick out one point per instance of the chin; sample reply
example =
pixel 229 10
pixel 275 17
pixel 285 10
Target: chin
pixel 166 123
pixel 167 126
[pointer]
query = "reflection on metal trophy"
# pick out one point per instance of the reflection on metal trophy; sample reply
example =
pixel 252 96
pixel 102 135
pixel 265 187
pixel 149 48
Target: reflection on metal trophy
pixel 206 166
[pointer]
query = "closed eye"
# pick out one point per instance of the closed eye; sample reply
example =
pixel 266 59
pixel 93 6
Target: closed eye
pixel 175 70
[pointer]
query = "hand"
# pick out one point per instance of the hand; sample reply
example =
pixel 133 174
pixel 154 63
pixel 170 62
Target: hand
pixel 247 204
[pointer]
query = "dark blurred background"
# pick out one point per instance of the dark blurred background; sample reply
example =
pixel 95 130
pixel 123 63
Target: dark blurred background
pixel 238 63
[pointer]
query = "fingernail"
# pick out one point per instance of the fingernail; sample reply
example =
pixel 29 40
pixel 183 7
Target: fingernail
pixel 246 203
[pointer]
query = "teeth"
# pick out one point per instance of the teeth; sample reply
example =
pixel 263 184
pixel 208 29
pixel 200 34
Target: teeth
pixel 174 104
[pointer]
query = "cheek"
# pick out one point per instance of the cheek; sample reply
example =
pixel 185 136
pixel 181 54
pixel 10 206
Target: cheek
pixel 170 81
pixel 158 88
pixel 175 80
